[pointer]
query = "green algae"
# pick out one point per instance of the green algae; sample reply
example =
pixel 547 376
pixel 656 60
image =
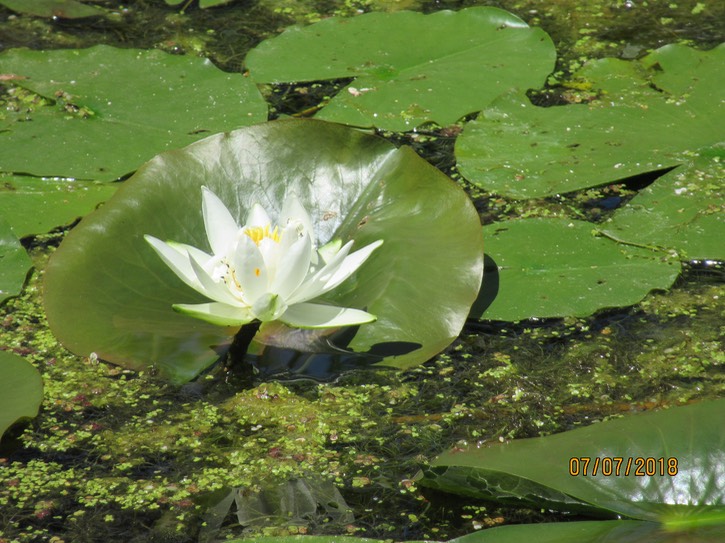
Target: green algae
pixel 119 456
pixel 111 445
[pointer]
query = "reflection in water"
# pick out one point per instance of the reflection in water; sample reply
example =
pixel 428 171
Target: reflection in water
pixel 321 355
pixel 296 502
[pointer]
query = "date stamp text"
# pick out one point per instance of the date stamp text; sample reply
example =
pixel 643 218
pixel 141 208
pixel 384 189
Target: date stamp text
pixel 622 466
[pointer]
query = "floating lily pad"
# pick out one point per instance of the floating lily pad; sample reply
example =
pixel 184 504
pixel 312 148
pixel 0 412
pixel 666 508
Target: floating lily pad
pixel 108 292
pixel 520 150
pixel 115 108
pixel 684 210
pixel 604 531
pixel 21 390
pixel 674 477
pixel 14 262
pixel 409 68
pixel 558 268
pixel 33 205
pixel 63 9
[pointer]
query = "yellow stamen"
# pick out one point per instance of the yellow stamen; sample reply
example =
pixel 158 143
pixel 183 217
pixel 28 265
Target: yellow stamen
pixel 258 233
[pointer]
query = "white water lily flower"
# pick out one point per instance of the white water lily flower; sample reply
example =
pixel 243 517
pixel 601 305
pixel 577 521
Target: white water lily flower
pixel 261 272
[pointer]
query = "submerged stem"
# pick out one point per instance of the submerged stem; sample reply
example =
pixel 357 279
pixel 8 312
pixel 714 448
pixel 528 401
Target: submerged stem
pixel 240 343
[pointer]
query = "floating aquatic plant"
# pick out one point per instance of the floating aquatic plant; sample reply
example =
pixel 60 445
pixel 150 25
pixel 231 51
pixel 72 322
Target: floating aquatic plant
pixel 262 273
pixel 108 292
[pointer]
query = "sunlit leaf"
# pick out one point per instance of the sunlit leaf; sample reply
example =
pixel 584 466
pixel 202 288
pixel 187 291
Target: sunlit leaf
pixel 684 210
pixel 409 68
pixel 671 471
pixel 520 150
pixel 108 292
pixel 115 108
pixel 605 531
pixel 557 267
pixel 32 205
pixel 14 262
pixel 21 390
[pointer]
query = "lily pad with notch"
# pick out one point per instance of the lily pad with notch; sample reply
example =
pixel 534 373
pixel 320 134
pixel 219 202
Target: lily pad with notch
pixel 107 292
pixel 409 68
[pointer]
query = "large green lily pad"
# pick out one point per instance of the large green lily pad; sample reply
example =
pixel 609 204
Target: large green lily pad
pixel 679 492
pixel 21 390
pixel 523 151
pixel 33 205
pixel 683 210
pixel 559 267
pixel 113 109
pixel 14 262
pixel 409 68
pixel 107 291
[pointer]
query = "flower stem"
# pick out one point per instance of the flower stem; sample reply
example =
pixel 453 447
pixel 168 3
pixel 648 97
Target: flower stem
pixel 240 344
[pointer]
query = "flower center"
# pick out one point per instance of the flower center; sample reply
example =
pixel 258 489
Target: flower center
pixel 258 233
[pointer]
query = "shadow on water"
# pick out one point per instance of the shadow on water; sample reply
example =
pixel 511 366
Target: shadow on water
pixel 319 355
pixel 489 288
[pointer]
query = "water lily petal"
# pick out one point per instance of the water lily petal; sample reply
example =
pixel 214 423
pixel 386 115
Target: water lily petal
pixel 313 286
pixel 293 211
pixel 217 291
pixel 175 259
pixel 249 269
pixel 330 249
pixel 268 307
pixel 216 313
pixel 221 227
pixel 257 217
pixel 293 267
pixel 308 315
pixel 351 263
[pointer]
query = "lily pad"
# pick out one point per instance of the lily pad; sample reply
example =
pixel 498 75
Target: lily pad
pixel 34 205
pixel 603 531
pixel 671 469
pixel 558 268
pixel 21 390
pixel 520 150
pixel 684 210
pixel 107 291
pixel 113 109
pixel 409 68
pixel 14 262
pixel 63 9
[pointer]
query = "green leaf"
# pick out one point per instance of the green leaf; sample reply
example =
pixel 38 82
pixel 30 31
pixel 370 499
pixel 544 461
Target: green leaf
pixel 605 531
pixel 63 9
pixel 14 262
pixel 409 68
pixel 21 390
pixel 684 490
pixel 107 291
pixel 557 267
pixel 33 205
pixel 115 108
pixel 682 210
pixel 520 150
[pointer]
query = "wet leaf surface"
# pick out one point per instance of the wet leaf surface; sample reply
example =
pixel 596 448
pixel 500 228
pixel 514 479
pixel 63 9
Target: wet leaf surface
pixel 112 109
pixel 521 150
pixel 409 68
pixel 557 267
pixel 108 292
pixel 21 390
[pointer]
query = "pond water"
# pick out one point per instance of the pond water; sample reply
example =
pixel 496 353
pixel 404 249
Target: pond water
pixel 117 455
